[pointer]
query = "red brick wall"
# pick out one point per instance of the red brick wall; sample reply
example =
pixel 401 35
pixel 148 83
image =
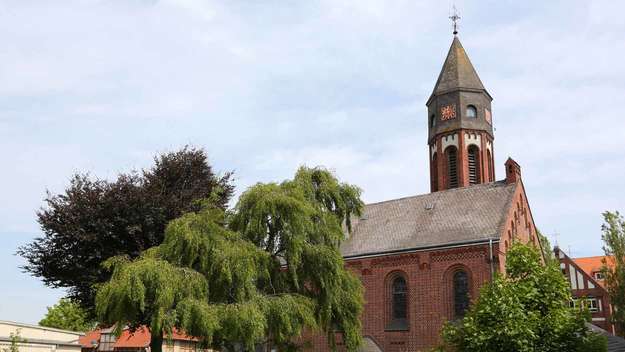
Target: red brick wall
pixel 589 287
pixel 429 294
pixel 519 227
pixel 438 170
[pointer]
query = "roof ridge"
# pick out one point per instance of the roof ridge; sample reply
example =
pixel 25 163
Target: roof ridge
pixel 592 256
pixel 34 326
pixel 451 190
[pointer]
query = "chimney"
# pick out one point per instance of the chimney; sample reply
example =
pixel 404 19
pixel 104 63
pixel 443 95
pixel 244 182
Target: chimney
pixel 513 171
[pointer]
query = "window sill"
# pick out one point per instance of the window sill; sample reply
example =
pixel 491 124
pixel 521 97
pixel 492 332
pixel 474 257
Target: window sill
pixel 400 325
pixel 396 329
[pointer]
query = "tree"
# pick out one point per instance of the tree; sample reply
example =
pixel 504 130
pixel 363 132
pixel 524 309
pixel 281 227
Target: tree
pixel 67 315
pixel 94 219
pixel 260 274
pixel 614 265
pixel 526 310
pixel 545 247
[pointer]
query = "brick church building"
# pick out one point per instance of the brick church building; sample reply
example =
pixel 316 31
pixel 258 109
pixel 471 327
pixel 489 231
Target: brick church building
pixel 422 259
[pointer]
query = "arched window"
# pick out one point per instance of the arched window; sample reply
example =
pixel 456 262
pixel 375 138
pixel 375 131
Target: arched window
pixel 491 170
pixel 474 165
pixel 461 293
pixel 452 167
pixel 432 120
pixel 471 112
pixel 434 173
pixel 399 292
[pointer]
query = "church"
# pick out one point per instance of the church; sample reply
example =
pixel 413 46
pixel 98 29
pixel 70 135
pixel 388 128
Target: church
pixel 422 259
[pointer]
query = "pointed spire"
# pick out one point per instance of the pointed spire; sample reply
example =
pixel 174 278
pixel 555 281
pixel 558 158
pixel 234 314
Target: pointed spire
pixel 457 72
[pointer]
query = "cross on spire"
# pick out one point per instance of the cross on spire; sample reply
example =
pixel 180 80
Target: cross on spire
pixel 555 237
pixel 454 19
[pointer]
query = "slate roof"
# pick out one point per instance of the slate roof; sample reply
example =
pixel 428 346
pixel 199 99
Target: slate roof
pixel 457 71
pixel 615 343
pixel 368 345
pixel 475 213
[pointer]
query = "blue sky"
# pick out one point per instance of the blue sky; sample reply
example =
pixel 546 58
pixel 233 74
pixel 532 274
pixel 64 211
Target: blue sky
pixel 101 86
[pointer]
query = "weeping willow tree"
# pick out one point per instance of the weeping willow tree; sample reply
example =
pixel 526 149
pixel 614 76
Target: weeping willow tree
pixel 260 274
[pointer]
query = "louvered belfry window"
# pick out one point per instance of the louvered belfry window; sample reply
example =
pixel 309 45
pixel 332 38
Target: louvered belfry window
pixel 461 293
pixel 452 167
pixel 491 171
pixel 474 165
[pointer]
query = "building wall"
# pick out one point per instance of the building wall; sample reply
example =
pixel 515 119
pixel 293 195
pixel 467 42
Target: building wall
pixel 174 345
pixel 583 286
pixel 39 339
pixel 38 332
pixel 519 227
pixel 181 346
pixel 40 347
pixel 461 140
pixel 430 302
pixel 428 274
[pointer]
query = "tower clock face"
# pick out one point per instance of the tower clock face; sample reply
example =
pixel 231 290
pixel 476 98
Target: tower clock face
pixel 448 112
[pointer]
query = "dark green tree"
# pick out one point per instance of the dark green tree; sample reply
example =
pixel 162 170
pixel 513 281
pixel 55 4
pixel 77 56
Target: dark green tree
pixel 614 265
pixel 67 315
pixel 527 310
pixel 94 219
pixel 260 274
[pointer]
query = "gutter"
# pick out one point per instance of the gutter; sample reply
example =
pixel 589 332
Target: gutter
pixel 489 241
pixel 30 342
pixel 490 250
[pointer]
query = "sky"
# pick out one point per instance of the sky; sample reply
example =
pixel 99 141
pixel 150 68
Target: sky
pixel 266 86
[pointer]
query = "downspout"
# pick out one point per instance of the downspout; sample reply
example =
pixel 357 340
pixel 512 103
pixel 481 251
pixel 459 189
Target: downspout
pixel 490 249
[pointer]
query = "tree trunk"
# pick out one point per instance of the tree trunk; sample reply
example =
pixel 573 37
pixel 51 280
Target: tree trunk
pixel 156 343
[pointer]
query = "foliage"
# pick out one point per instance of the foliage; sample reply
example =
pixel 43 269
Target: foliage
pixel 526 310
pixel 596 343
pixel 261 273
pixel 545 247
pixel 97 219
pixel 67 315
pixel 614 264
pixel 16 339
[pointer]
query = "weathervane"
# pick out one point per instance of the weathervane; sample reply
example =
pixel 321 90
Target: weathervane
pixel 454 18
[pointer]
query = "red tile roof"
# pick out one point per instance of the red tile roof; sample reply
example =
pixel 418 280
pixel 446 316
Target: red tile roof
pixel 590 264
pixel 137 339
pixel 180 335
pixel 90 338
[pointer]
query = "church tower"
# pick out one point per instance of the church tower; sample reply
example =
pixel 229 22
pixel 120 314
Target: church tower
pixel 460 126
